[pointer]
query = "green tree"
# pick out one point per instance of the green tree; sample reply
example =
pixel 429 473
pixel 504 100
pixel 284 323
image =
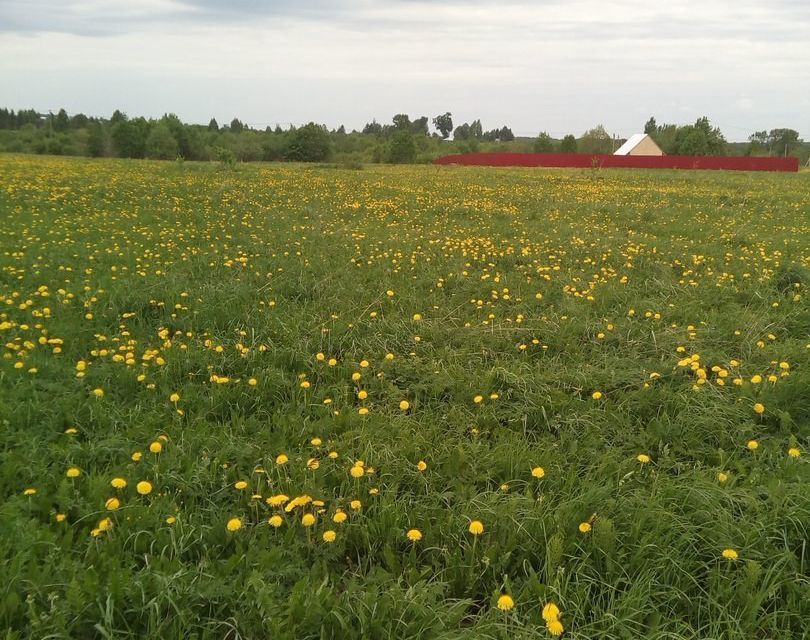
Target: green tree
pixel 118 116
pixel 665 137
pixel 213 125
pixel 402 149
pixel 79 121
pixel 402 121
pixel 28 116
pixel 444 124
pixel 61 122
pixel 568 144
pixel 373 128
pixel 596 140
pixel 310 143
pixel 461 132
pixel 180 134
pixel 543 143
pixel 97 142
pixel 699 139
pixel 757 144
pixel 7 119
pixel 236 126
pixel 420 126
pixel 129 138
pixel 161 144
pixel 246 146
pixel 783 142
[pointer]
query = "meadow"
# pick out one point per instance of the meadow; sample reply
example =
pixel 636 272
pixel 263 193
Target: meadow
pixel 288 401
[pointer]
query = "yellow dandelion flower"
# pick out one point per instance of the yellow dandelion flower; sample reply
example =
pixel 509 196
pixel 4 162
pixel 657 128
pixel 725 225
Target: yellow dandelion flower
pixel 551 612
pixel 505 602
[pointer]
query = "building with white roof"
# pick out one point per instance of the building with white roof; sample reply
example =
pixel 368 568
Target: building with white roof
pixel 639 144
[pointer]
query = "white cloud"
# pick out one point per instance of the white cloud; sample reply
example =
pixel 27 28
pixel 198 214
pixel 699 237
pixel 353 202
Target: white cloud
pixel 558 66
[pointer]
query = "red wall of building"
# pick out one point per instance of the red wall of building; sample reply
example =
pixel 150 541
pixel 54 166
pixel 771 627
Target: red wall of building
pixel 586 161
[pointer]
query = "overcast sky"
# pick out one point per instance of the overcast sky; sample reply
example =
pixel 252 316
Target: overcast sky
pixel 561 66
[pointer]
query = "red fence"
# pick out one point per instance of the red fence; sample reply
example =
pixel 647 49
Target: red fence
pixel 586 161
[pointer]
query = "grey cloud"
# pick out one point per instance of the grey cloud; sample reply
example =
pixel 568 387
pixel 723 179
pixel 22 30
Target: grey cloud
pixel 749 19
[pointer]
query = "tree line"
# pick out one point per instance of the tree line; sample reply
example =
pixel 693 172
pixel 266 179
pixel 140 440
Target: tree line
pixel 403 140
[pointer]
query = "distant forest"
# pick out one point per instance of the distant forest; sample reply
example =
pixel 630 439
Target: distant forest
pixel 402 141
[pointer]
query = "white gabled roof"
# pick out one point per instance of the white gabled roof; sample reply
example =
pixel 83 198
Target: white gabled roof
pixel 632 142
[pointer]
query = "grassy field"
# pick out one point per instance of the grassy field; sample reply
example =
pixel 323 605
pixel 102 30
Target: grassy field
pixel 307 402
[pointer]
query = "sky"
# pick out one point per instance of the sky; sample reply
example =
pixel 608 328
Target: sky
pixel 560 66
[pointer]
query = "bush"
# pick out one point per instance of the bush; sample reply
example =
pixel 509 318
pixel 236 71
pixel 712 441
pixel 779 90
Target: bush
pixel 310 143
pixel 225 156
pixel 402 149
pixel 161 145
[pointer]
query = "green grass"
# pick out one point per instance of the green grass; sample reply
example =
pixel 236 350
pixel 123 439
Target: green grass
pixel 162 278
